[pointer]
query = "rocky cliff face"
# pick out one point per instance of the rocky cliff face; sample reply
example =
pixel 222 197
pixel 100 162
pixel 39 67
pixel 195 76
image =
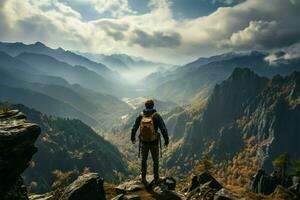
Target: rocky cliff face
pixel 17 138
pixel 68 145
pixel 246 105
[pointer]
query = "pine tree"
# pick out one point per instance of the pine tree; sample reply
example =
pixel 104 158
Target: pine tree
pixel 205 163
pixel 282 162
pixel 296 167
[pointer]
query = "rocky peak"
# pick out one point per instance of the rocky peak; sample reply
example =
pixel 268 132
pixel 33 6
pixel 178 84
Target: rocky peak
pixel 242 75
pixel 39 44
pixel 231 96
pixel 17 138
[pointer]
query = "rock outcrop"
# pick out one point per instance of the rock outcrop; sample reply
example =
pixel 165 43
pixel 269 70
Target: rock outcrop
pixel 134 189
pixel 69 146
pixel 264 183
pixel 284 194
pixel 245 105
pixel 204 178
pixel 87 186
pixel 17 138
pixel 203 186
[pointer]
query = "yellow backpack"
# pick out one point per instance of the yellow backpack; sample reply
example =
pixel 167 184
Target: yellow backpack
pixel 147 130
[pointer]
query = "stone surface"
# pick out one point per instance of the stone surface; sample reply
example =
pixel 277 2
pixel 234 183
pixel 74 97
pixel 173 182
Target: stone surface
pixel 169 195
pixel 224 194
pixel 296 186
pixel 204 178
pixel 130 186
pixel 17 192
pixel 132 197
pixel 203 186
pixel 119 197
pixel 88 186
pixel 47 196
pixel 284 194
pixel 17 138
pixel 170 182
pixel 266 184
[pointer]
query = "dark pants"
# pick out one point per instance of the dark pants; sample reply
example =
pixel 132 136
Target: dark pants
pixel 154 149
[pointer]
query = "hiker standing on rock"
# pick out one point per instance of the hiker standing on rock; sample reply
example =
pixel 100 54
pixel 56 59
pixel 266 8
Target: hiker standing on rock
pixel 149 139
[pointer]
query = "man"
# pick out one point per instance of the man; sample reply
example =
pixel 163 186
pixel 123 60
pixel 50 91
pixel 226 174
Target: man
pixel 149 121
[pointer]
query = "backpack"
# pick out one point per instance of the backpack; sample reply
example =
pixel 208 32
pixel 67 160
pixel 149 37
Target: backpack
pixel 147 130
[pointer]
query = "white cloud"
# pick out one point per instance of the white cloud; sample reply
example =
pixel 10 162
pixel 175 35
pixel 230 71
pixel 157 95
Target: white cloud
pixel 257 35
pixel 289 53
pixel 253 24
pixel 226 2
pixel 117 8
pixel 114 8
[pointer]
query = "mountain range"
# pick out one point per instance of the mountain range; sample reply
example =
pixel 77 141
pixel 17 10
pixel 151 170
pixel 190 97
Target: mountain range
pixel 234 107
pixel 197 79
pixel 244 106
pixel 123 62
pixel 70 91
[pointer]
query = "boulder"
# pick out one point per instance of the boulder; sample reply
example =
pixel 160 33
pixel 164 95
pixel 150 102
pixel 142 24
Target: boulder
pixel 130 186
pixel 119 197
pixel 46 196
pixel 17 138
pixel 203 186
pixel 202 192
pixel 284 194
pixel 18 191
pixel 132 197
pixel 168 194
pixel 296 186
pixel 204 178
pixel 170 182
pixel 165 189
pixel 264 183
pixel 224 194
pixel 88 186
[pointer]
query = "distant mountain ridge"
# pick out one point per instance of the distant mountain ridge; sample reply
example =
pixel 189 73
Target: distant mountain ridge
pixel 15 49
pixel 123 62
pixel 197 79
pixel 45 103
pixel 44 77
pixel 73 74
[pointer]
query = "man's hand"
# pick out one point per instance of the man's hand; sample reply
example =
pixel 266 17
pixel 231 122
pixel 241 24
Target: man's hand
pixel 133 141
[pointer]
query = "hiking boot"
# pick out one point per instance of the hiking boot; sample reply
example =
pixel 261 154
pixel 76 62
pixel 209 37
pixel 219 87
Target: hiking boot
pixel 157 181
pixel 144 181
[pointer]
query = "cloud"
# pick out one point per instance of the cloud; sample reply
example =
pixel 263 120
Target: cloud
pixel 156 39
pixel 263 35
pixel 111 8
pixel 251 25
pixel 227 2
pixel 117 8
pixel 279 57
pixel 112 29
pixel 257 35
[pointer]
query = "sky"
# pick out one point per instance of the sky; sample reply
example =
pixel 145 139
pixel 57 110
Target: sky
pixel 170 31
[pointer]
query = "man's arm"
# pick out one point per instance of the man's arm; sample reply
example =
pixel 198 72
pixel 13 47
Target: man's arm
pixel 163 129
pixel 135 127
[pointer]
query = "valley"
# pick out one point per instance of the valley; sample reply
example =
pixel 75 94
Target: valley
pixel 235 109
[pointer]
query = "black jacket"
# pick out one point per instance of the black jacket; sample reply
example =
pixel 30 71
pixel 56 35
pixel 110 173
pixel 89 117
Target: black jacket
pixel 157 121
